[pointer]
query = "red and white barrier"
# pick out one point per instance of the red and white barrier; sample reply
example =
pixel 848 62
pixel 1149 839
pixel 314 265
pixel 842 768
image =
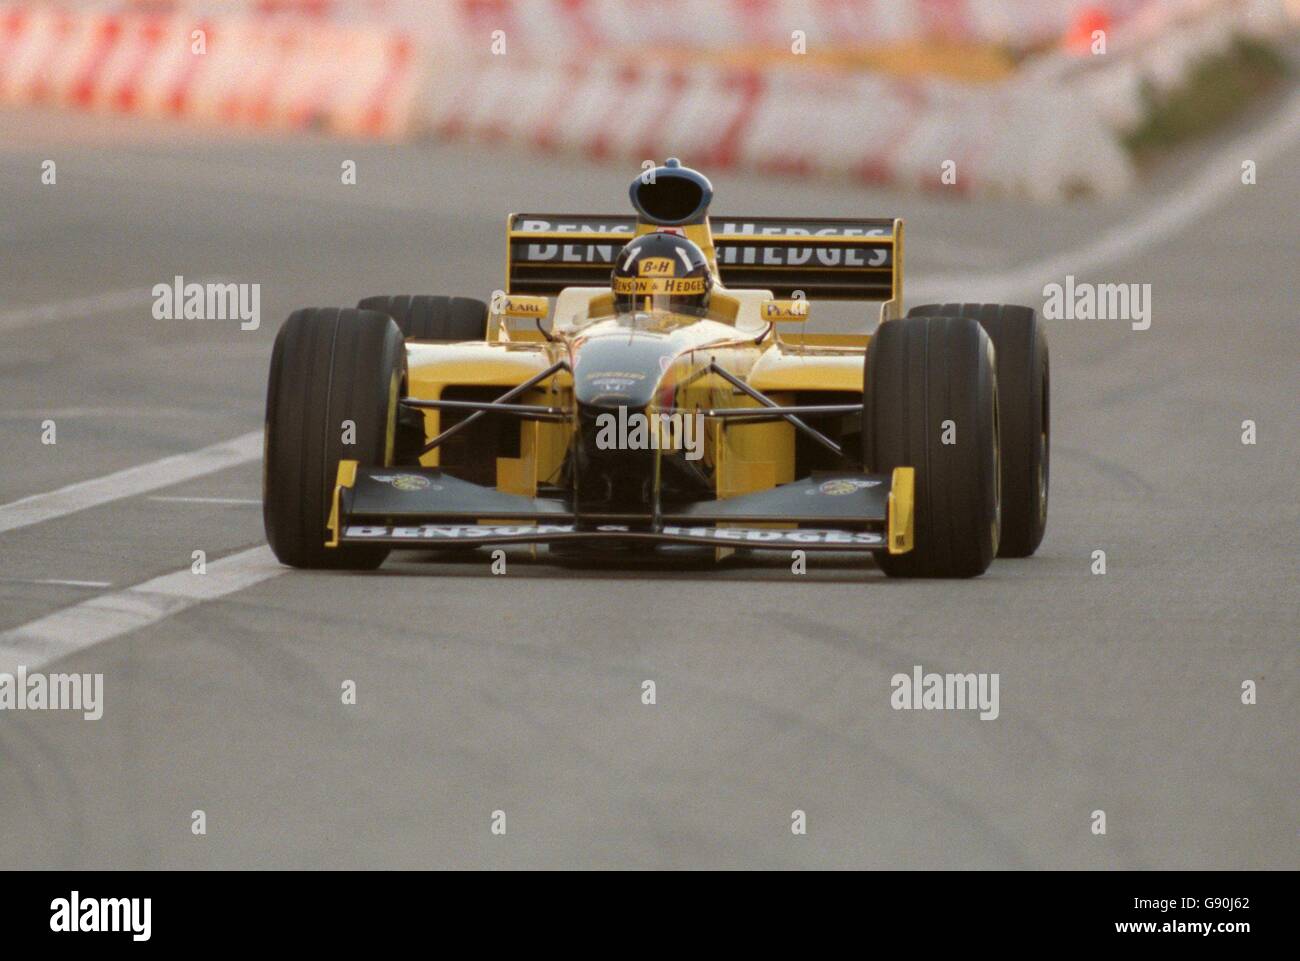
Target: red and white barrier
pixel 572 26
pixel 566 81
pixel 809 123
pixel 1049 132
pixel 354 80
pixel 575 25
pixel 581 26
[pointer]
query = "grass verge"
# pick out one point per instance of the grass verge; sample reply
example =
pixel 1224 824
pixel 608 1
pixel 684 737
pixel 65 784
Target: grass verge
pixel 1218 89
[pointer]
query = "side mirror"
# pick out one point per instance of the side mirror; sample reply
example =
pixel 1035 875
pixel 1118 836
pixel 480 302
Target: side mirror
pixel 784 311
pixel 522 307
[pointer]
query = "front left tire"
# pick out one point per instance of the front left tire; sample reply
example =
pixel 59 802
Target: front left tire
pixel 336 376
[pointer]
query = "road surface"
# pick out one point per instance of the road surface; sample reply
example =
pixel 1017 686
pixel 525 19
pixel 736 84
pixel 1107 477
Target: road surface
pixel 1119 692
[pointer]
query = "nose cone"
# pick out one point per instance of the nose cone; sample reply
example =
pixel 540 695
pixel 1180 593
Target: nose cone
pixel 621 368
pixel 616 368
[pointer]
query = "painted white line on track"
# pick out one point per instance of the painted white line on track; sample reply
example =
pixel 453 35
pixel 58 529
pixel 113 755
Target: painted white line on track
pixel 57 581
pixel 220 176
pixel 106 303
pixel 1149 227
pixel 129 482
pixel 103 618
pixel 208 500
pixel 124 413
pixel 81 308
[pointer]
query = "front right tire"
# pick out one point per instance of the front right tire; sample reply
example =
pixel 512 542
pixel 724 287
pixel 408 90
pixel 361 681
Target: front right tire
pixel 930 402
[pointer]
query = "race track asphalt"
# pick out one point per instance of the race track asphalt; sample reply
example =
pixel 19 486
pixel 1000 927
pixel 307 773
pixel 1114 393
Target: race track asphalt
pixel 522 693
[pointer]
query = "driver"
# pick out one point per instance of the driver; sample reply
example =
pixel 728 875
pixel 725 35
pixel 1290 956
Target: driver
pixel 662 271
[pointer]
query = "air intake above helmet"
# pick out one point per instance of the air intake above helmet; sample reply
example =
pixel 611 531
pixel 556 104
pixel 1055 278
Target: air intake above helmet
pixel 671 195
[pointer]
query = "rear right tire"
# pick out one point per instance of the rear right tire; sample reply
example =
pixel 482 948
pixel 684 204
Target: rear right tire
pixel 930 402
pixel 1024 404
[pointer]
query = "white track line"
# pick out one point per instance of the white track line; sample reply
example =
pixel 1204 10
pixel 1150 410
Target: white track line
pixel 1220 177
pixel 103 618
pixel 130 482
pixel 106 303
pixel 123 413
pixel 207 500
pixel 81 308
pixel 58 581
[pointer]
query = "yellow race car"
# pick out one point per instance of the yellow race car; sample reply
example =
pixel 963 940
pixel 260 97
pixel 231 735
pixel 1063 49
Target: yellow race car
pixel 648 380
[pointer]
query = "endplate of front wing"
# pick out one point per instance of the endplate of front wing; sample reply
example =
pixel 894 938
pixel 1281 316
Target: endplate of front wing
pixel 425 508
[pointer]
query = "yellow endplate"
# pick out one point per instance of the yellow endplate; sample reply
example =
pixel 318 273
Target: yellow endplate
pixel 347 476
pixel 901 491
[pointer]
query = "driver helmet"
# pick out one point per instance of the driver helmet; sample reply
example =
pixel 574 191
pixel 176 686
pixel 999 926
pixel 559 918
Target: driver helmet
pixel 662 271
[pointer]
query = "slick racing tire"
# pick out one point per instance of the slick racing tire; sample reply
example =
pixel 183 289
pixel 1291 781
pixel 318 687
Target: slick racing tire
pixel 1024 404
pixel 329 366
pixel 445 319
pixel 930 402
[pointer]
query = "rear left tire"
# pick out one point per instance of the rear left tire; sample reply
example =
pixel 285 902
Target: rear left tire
pixel 425 317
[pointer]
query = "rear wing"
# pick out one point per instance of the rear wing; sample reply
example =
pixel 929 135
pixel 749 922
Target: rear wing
pixel 824 258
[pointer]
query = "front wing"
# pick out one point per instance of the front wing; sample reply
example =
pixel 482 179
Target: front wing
pixel 426 508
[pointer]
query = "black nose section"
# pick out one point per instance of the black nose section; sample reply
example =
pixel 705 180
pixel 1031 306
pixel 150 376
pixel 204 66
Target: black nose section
pixel 613 371
pixel 620 370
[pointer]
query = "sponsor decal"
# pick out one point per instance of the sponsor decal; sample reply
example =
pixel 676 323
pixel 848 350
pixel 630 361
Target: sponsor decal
pixel 406 482
pixel 785 310
pixel 527 307
pixel 655 267
pixel 629 375
pixel 614 381
pixel 779 538
pixel 478 532
pixel 739 229
pixel 730 237
pixel 647 286
pixel 621 232
pixel 455 532
pixel 843 485
pixel 733 250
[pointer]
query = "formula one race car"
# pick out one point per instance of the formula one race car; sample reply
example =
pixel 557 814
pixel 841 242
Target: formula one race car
pixel 663 405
